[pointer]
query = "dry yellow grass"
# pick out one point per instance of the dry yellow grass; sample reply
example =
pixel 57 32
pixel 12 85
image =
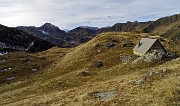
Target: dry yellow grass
pixel 61 83
pixel 164 28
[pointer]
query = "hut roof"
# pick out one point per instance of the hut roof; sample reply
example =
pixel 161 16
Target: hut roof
pixel 144 45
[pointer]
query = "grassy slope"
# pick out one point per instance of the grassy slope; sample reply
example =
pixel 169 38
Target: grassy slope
pixel 61 81
pixel 173 32
pixel 22 65
pixel 170 31
pixel 163 28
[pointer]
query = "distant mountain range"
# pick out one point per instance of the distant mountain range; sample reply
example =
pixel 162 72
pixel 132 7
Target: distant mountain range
pixel 54 35
pixel 81 34
pixel 34 39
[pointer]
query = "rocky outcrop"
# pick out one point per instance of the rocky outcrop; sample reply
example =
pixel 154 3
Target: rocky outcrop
pixel 149 76
pixel 150 57
pixel 104 95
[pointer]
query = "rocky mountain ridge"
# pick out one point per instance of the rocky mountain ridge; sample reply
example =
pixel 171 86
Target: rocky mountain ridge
pixel 162 21
pixel 48 32
pixel 12 39
pixel 125 27
pixel 167 27
pixel 76 36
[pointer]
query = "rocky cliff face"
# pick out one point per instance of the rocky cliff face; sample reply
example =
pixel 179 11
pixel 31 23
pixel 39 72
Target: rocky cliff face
pixel 173 33
pixel 13 39
pixel 125 27
pixel 162 21
pixel 168 27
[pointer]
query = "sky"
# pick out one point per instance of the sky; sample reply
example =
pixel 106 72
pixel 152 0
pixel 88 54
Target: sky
pixel 68 14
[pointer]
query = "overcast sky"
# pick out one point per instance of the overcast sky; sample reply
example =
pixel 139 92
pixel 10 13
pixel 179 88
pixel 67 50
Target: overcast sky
pixel 68 14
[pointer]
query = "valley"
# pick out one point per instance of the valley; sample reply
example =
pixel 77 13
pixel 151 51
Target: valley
pixel 89 66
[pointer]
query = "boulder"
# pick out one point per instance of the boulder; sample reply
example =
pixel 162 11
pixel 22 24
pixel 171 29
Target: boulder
pixel 96 45
pixel 112 40
pixel 34 69
pixel 128 44
pixel 124 58
pixel 25 60
pixel 153 56
pixel 85 73
pixel 61 54
pixel 105 95
pixel 97 64
pixel 150 57
pixel 109 44
pixel 99 51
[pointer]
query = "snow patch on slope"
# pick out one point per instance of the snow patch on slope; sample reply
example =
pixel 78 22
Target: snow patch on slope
pixel 44 32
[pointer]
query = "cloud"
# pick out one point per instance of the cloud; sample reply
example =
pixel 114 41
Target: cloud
pixel 68 14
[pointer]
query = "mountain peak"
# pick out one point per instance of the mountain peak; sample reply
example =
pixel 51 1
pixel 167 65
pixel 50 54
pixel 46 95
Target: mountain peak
pixel 48 25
